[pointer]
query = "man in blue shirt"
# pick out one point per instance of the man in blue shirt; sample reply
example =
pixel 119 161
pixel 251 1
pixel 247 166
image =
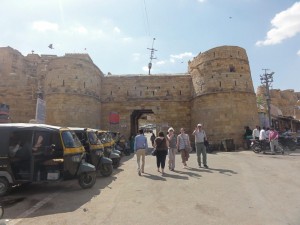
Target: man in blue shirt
pixel 140 146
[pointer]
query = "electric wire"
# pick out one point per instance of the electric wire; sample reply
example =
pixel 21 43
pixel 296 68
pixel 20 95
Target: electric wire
pixel 147 18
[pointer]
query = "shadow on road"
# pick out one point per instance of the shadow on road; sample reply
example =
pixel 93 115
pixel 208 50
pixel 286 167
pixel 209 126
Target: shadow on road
pixel 154 177
pixel 188 172
pixel 224 171
pixel 53 198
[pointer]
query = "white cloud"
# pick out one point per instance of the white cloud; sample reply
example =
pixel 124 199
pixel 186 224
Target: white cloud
pixel 298 53
pixel 182 55
pixel 201 1
pixel 80 29
pixel 162 62
pixel 127 39
pixel 286 25
pixel 44 26
pixel 117 30
pixel 145 68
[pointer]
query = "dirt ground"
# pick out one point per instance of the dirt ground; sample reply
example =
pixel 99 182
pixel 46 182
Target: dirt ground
pixel 238 188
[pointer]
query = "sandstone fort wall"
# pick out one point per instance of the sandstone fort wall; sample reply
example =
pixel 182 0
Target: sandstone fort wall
pixel 217 91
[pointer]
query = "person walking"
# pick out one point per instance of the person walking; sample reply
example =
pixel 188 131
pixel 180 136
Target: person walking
pixel 161 145
pixel 184 146
pixel 172 148
pixel 152 137
pixel 140 146
pixel 273 138
pixel 200 137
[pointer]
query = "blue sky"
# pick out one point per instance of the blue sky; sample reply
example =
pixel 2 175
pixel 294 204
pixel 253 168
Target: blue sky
pixel 117 33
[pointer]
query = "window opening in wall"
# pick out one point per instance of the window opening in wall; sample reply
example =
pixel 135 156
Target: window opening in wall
pixel 235 82
pixel 220 84
pixel 63 82
pixel 119 88
pixel 84 84
pixel 76 77
pixel 135 88
pixel 147 88
pixel 214 54
pixel 127 93
pixel 110 92
pixel 153 93
pixel 238 53
pixel 240 75
pixel 226 75
pixel 231 68
pixel 180 92
pixel 173 87
pixel 212 76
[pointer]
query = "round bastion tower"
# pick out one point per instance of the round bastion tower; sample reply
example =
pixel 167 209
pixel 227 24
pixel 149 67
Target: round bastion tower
pixel 72 91
pixel 224 100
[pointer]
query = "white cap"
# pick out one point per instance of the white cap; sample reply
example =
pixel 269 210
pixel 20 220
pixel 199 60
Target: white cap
pixel 171 128
pixel 199 125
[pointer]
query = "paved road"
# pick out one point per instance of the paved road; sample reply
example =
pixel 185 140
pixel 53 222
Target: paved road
pixel 239 188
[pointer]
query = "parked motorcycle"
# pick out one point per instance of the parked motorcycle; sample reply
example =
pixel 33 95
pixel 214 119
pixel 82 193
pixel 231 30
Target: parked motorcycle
pixel 259 146
pixel 288 141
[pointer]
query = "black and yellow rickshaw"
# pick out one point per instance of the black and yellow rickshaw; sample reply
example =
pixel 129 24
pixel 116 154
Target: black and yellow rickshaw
pixel 109 150
pixel 94 150
pixel 32 153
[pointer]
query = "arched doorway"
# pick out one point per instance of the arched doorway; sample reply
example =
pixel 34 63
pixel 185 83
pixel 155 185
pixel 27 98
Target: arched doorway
pixel 134 119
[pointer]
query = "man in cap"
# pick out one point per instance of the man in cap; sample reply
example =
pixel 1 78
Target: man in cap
pixel 200 137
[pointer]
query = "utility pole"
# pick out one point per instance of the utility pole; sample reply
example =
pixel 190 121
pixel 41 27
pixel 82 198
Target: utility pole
pixel 151 55
pixel 267 79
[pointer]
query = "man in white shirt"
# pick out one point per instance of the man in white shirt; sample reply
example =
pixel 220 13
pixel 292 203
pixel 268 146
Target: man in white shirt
pixel 255 133
pixel 262 138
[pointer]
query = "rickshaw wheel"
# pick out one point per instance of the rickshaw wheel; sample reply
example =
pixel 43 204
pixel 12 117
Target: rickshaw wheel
pixel 4 186
pixel 116 163
pixel 106 169
pixel 87 180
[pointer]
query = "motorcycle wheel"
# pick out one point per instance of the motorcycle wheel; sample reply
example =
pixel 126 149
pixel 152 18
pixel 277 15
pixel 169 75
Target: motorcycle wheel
pixel 106 169
pixel 116 163
pixel 87 180
pixel 4 186
pixel 255 148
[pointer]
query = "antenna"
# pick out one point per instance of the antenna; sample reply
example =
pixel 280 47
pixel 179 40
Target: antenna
pixel 151 55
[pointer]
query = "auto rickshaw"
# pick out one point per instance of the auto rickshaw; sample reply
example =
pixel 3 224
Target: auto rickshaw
pixel 32 153
pixel 108 144
pixel 119 142
pixel 94 149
